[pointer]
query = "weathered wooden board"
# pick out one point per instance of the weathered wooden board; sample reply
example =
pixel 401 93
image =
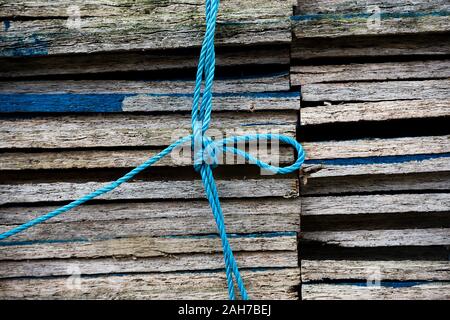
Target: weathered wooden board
pixel 262 83
pixel 348 6
pixel 263 93
pixel 106 63
pixel 439 181
pixel 375 111
pixel 377 147
pixel 376 204
pixel 118 25
pixel 376 157
pixel 376 91
pixel 172 189
pixel 407 70
pixel 378 166
pixel 104 266
pixel 114 220
pixel 413 45
pixel 397 291
pixel 358 24
pixel 229 9
pixel 268 284
pixel 90 159
pixel 396 155
pixel 195 209
pixel 403 270
pixel 116 102
pixel 381 238
pixel 129 130
pixel 94 230
pixel 350 18
pixel 145 247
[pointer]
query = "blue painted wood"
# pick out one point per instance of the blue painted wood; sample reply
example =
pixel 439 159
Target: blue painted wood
pixel 96 102
pixel 378 160
pixel 388 284
pixel 33 45
pixel 65 102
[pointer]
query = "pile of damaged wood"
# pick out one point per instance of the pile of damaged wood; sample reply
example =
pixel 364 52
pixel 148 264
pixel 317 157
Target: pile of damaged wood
pixel 91 89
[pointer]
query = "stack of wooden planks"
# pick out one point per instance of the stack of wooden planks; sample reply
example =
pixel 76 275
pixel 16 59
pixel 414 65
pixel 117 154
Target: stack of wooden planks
pixel 374 78
pixel 89 90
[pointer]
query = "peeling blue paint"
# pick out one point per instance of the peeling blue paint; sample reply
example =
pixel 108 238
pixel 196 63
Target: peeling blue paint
pixel 65 102
pixel 386 284
pixel 378 160
pixel 6 24
pixel 108 102
pixel 34 242
pixel 24 46
pixel 259 124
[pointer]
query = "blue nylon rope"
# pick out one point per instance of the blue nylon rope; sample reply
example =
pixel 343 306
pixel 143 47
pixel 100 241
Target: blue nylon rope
pixel 205 154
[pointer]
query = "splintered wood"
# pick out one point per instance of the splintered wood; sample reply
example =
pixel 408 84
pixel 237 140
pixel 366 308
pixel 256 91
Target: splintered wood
pixel 91 89
pixel 375 95
pixel 82 106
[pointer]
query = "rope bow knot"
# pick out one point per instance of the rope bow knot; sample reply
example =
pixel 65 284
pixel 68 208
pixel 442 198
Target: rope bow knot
pixel 205 155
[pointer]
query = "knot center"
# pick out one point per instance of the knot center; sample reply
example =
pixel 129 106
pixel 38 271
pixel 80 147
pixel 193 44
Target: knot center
pixel 205 152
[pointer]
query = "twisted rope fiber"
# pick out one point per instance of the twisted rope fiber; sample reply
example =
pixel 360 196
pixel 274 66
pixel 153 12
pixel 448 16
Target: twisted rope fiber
pixel 205 151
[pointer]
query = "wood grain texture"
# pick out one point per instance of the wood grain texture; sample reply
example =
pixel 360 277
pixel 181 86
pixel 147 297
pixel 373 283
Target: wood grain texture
pixel 262 83
pixel 105 266
pixel 332 26
pixel 422 291
pixel 377 147
pixel 94 230
pixel 144 247
pixel 376 204
pixel 376 157
pixel 116 26
pixel 270 284
pixel 431 69
pixel 160 9
pixel 264 92
pixel 128 130
pixel 359 62
pixel 59 103
pixel 375 111
pixel 426 164
pixel 116 220
pixel 351 47
pixel 377 184
pixel 349 18
pixel 404 270
pixel 194 209
pixel 148 61
pixel 381 238
pixel 348 6
pixel 376 91
pixel 91 159
pixel 191 189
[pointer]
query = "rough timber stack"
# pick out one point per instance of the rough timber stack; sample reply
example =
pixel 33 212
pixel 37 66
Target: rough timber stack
pixel 375 109
pixel 84 100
